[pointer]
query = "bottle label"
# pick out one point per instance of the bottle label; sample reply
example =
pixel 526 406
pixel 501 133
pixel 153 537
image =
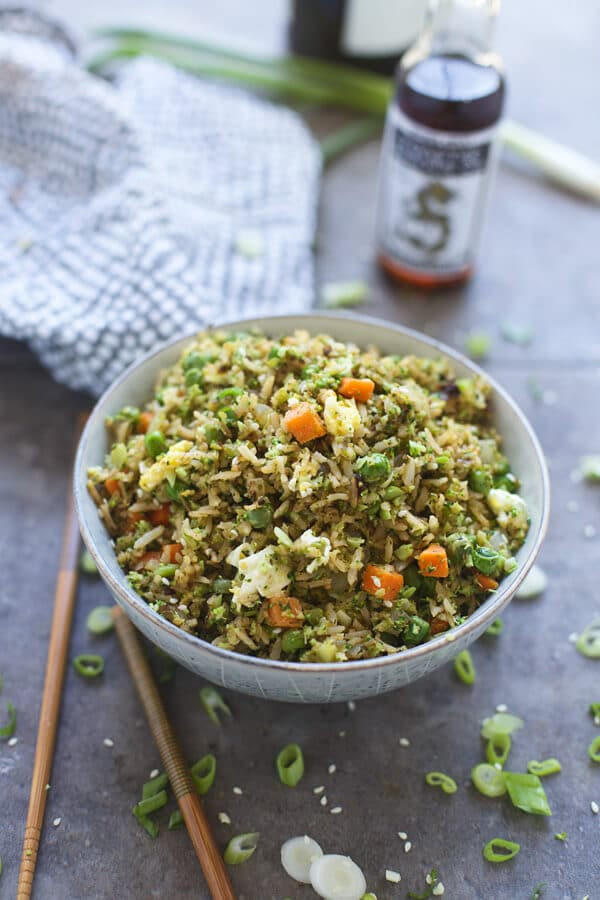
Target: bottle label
pixel 432 193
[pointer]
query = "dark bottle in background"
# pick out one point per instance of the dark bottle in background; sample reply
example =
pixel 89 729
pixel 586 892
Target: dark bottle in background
pixel 368 33
pixel 439 147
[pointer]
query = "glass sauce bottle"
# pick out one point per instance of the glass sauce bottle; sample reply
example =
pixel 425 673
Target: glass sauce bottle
pixel 438 151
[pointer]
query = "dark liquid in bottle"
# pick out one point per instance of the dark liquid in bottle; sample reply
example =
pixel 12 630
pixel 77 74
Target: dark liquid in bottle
pixel 448 93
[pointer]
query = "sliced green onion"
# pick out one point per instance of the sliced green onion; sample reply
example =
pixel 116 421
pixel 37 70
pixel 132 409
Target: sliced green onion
pixel 478 344
pixel 175 819
pixel 534 584
pixel 464 668
pixel 500 723
pixel 538 890
pixel 150 804
pixel 90 665
pixel 118 455
pixel 496 628
pixel 100 620
pixel 488 780
pixel 439 779
pixel 499 850
pixel 561 835
pixel 594 750
pixel 595 710
pixel 290 764
pixel 87 564
pixel 543 767
pixel 516 334
pixel 240 848
pixel 203 773
pixel 432 879
pixel 338 294
pixel 589 466
pixel 588 642
pixel 526 793
pixel 152 787
pixel 7 731
pixel 498 748
pixel 486 560
pixel 213 703
pixel 167 570
pixel 149 824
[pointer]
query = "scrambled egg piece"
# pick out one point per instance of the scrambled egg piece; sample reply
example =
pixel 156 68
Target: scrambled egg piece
pixel 509 509
pixel 342 418
pixel 316 547
pixel 265 573
pixel 176 455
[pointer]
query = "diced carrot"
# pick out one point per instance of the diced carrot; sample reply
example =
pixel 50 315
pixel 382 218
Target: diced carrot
pixel 375 578
pixel 304 423
pixel 144 422
pixel 433 562
pixel 172 551
pixel 361 389
pixel 132 519
pixel 150 556
pixel 485 582
pixel 112 485
pixel 284 612
pixel 437 625
pixel 161 515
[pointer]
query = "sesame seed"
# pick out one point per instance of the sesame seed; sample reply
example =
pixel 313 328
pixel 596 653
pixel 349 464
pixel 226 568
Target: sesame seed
pixel 594 807
pixel 154 773
pixel 407 846
pixel 393 877
pixel 319 789
pixel 572 506
pixel 404 742
pixel 108 743
pixel 589 531
pixel 502 707
pixel 323 800
pixel 13 741
pixel 238 791
pixel 332 768
pixel 351 705
pixel 402 835
pixel 336 810
pixel 57 821
pixel 438 890
pixel 224 818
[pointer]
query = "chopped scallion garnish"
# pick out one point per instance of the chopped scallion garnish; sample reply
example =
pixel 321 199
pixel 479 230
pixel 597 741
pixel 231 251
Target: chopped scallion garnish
pixel 500 723
pixel 149 824
pixel 432 879
pixel 204 772
pixel 538 890
pixel 90 665
pixel 439 779
pixel 478 344
pixel 595 710
pixel 290 765
pixel 543 767
pixel 589 466
pixel 526 793
pixel 213 703
pixel 175 819
pixel 87 564
pixel 515 333
pixel 464 668
pixel 594 750
pixel 496 628
pixel 498 748
pixel 488 780
pixel 240 848
pixel 7 731
pixel 152 787
pixel 588 642
pixel 500 850
pixel 561 835
pixel 100 620
pixel 150 804
pixel 343 293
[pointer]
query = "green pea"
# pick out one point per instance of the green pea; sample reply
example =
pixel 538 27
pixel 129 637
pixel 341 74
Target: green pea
pixel 374 467
pixel 195 360
pixel 259 517
pixel 313 616
pixel 222 586
pixel 155 443
pixel 230 393
pixel 480 480
pixel 507 482
pixel 194 376
pixel 416 631
pixel 293 640
pixel 166 571
pixel 486 560
pixel 227 415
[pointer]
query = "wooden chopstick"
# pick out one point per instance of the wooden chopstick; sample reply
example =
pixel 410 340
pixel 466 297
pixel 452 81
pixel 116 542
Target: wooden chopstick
pixel 60 632
pixel 189 803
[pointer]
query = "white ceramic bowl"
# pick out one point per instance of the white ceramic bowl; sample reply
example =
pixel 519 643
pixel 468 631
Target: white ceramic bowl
pixel 310 682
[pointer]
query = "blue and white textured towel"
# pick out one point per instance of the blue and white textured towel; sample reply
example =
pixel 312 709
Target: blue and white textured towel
pixel 131 212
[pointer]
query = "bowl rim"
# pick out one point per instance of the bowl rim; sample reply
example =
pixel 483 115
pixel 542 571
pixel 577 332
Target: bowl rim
pixel 487 612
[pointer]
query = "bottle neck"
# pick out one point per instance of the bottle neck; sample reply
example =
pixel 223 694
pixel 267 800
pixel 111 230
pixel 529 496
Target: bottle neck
pixel 464 27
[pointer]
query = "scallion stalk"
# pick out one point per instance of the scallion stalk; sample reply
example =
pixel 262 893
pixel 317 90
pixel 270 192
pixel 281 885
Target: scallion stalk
pixel 240 848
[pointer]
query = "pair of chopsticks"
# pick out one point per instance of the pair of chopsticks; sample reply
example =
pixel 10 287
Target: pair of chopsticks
pixel 195 820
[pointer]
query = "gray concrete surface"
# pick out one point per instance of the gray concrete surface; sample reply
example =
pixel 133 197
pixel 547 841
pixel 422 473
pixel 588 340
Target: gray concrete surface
pixel 539 265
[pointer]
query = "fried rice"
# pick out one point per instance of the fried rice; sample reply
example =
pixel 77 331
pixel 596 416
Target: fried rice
pixel 301 498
